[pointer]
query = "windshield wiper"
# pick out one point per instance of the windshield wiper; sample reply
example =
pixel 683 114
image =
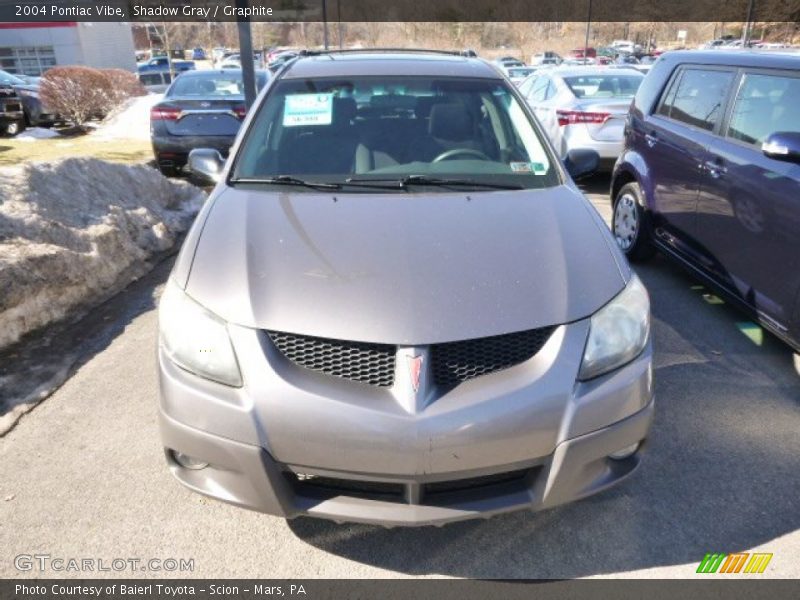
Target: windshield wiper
pixel 289 180
pixel 404 182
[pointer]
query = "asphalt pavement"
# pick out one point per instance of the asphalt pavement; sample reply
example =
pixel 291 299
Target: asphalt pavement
pixel 83 474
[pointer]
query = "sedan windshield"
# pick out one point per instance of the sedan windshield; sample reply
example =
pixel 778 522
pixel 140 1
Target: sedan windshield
pixel 212 85
pixel 443 133
pixel 605 86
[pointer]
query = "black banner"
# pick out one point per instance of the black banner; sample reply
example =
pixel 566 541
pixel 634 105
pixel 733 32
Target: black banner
pixel 400 10
pixel 744 588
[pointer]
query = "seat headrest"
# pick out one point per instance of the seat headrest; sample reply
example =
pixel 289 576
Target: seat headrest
pixel 344 110
pixel 450 122
pixel 206 86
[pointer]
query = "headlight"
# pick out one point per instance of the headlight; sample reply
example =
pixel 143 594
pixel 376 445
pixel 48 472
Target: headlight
pixel 196 339
pixel 618 331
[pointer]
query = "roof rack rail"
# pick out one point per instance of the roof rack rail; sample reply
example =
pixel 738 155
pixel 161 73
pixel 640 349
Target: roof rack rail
pixel 470 53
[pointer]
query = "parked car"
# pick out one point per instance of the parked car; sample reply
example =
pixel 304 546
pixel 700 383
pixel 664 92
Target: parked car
pixel 161 63
pixel 217 54
pixel 398 308
pixel 583 107
pixel 27 92
pixel 546 58
pixel 280 59
pixel 199 109
pixel 156 81
pixel 587 52
pixel 198 54
pixel 508 61
pixel 12 118
pixel 710 175
pixel 518 74
pixel 623 46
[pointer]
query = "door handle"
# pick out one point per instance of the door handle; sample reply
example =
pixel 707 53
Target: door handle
pixel 715 168
pixel 651 139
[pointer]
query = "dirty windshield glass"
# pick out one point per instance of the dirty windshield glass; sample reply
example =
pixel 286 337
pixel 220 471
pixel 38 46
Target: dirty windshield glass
pixel 391 128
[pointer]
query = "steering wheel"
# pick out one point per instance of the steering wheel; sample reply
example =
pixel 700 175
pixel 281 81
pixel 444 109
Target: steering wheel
pixel 448 154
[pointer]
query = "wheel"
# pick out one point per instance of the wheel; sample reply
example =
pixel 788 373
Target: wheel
pixel 629 224
pixel 169 171
pixel 15 127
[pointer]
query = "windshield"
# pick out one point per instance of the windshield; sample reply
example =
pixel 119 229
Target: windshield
pixel 604 86
pixel 213 85
pixel 9 79
pixel 389 128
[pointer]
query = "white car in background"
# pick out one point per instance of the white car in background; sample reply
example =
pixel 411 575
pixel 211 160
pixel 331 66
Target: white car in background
pixel 583 107
pixel 518 74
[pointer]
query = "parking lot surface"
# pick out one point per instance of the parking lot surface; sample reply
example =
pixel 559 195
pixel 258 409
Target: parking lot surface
pixel 83 474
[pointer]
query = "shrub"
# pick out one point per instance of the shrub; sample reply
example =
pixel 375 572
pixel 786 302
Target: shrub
pixel 124 85
pixel 76 93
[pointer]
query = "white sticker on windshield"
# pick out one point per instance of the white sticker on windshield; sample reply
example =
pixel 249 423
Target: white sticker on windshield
pixel 308 109
pixel 536 168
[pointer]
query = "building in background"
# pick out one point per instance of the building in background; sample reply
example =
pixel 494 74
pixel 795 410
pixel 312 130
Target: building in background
pixel 32 48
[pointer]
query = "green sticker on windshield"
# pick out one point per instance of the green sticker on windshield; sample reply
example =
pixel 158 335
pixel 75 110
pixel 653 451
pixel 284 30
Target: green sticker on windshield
pixel 528 167
pixel 308 109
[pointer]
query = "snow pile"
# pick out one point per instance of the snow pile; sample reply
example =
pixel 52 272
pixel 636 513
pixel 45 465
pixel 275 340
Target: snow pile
pixel 130 121
pixel 74 232
pixel 36 133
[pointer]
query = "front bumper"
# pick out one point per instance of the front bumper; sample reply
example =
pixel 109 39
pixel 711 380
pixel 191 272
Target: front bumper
pixel 526 437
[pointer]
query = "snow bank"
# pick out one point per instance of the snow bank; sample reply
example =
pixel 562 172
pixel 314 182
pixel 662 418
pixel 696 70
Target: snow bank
pixel 74 232
pixel 130 121
pixel 36 133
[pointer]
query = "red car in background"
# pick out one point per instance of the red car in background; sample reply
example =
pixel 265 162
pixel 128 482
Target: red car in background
pixel 587 52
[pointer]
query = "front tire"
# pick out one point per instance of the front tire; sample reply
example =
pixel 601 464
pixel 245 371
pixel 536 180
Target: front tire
pixel 14 128
pixel 630 224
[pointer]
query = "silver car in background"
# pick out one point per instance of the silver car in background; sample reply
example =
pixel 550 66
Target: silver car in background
pixel 583 107
pixel 396 307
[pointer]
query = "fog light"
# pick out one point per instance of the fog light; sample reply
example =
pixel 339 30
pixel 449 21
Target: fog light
pixel 188 462
pixel 625 452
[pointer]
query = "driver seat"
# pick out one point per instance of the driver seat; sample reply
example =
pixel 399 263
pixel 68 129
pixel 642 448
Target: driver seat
pixel 451 126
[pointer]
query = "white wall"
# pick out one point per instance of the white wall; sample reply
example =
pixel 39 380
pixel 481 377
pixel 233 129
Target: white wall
pixel 107 45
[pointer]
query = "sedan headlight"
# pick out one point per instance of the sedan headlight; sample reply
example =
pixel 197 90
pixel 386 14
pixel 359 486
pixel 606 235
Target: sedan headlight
pixel 196 339
pixel 618 331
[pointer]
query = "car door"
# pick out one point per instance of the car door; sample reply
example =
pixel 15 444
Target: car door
pixel 676 138
pixel 748 208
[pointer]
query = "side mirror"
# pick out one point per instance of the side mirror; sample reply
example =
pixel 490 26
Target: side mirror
pixel 205 166
pixel 581 162
pixel 783 145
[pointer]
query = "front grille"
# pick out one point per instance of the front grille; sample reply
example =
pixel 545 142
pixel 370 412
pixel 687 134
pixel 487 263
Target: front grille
pixel 374 364
pixel 328 487
pixel 357 361
pixel 439 493
pixel 456 362
pixel 13 107
pixel 475 483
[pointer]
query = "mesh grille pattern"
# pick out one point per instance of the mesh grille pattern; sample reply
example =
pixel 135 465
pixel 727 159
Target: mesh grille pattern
pixel 356 361
pixel 456 362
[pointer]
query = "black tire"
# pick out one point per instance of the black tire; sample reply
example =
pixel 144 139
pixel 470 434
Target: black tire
pixel 630 225
pixel 169 171
pixel 14 128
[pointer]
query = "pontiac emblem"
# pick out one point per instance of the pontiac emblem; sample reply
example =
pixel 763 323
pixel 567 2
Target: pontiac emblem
pixel 415 370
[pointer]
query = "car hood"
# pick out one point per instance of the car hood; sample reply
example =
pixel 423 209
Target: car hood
pixel 405 269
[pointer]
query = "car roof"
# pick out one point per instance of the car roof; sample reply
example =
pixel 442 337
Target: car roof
pixel 202 72
pixel 368 63
pixel 776 58
pixel 582 71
